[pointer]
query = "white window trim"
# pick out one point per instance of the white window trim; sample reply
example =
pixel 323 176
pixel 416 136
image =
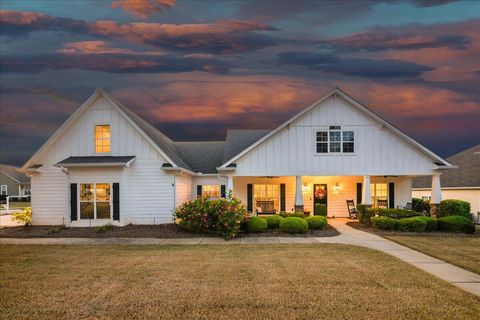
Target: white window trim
pixel 2 188
pixel 95 201
pixel 95 140
pixel 342 129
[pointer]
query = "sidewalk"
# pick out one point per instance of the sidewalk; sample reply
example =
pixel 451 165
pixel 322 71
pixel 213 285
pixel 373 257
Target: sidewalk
pixel 459 277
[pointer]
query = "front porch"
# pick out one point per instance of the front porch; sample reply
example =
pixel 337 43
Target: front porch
pixel 317 194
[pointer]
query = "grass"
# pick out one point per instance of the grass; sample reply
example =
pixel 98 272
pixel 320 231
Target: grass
pixel 20 204
pixel 221 282
pixel 460 251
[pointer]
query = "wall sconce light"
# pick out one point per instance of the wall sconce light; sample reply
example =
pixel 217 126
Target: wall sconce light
pixel 305 187
pixel 336 188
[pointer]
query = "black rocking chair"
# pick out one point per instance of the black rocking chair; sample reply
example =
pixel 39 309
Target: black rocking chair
pixel 352 210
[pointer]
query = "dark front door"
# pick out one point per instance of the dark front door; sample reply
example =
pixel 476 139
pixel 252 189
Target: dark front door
pixel 320 199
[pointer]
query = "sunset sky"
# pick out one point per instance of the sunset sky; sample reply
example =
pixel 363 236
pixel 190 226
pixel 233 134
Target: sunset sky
pixel 195 68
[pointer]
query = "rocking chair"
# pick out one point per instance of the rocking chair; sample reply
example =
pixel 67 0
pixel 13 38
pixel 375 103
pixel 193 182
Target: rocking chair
pixel 352 210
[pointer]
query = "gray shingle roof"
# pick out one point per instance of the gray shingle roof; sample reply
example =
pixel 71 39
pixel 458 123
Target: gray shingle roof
pixel 96 159
pixel 239 140
pixel 467 174
pixel 204 156
pixel 13 173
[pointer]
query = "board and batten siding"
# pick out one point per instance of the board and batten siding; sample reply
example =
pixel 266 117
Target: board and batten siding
pixel 147 191
pixel 292 150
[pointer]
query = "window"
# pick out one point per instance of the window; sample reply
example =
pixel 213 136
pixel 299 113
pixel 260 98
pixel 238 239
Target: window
pixel 211 191
pixel 4 190
pixel 378 191
pixel 95 201
pixel 335 141
pixel 102 138
pixel 266 193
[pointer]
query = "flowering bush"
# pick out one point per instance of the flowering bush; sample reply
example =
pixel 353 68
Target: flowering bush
pixel 24 216
pixel 218 216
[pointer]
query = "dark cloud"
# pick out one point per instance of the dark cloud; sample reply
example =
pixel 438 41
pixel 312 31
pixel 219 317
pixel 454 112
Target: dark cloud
pixel 306 58
pixel 230 36
pixel 112 63
pixel 431 3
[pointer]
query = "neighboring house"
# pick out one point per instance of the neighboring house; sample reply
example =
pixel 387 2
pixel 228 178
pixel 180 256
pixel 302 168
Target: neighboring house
pixel 13 182
pixel 106 164
pixel 462 184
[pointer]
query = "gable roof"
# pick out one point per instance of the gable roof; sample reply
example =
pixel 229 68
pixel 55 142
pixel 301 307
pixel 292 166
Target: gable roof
pixel 239 140
pixel 13 173
pixel 467 174
pixel 361 107
pixel 202 156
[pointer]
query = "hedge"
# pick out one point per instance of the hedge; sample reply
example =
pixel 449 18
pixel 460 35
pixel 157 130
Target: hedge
pixel 456 224
pixel 284 214
pixel 384 223
pixel 393 213
pixel 316 222
pixel 274 221
pixel 431 223
pixel 414 224
pixel 362 217
pixel 257 225
pixel 294 225
pixel 452 207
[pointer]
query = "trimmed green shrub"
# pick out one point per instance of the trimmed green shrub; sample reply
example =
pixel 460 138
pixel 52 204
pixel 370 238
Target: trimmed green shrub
pixel 384 223
pixel 414 224
pixel 431 223
pixel 257 225
pixel 456 224
pixel 274 221
pixel 294 225
pixel 394 213
pixel 362 210
pixel 284 214
pixel 55 229
pixel 420 206
pixel 320 209
pixel 103 229
pixel 316 222
pixel 452 207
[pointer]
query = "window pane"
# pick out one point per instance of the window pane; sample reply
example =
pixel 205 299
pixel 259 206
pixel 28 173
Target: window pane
pixel 211 191
pixel 86 210
pixel 348 147
pixel 86 192
pixel 102 138
pixel 347 136
pixel 335 136
pixel 103 192
pixel 322 147
pixel 322 136
pixel 335 127
pixel 335 147
pixel 103 210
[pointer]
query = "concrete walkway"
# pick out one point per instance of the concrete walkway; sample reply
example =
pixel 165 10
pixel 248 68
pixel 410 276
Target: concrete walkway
pixel 459 277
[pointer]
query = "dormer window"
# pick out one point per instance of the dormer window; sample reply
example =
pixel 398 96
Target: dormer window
pixel 335 140
pixel 102 138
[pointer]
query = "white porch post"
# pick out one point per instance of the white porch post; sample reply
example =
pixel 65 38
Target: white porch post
pixel 366 195
pixel 229 185
pixel 436 194
pixel 298 194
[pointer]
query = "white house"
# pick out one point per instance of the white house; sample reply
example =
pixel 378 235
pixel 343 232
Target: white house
pixel 462 184
pixel 106 164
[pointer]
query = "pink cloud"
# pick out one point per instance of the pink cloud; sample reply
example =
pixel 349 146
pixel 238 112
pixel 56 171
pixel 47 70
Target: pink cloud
pixel 143 8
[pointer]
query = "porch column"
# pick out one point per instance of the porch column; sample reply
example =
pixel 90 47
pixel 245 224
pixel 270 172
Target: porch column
pixel 366 195
pixel 229 185
pixel 298 195
pixel 436 195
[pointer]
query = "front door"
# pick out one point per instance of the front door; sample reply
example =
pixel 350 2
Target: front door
pixel 320 199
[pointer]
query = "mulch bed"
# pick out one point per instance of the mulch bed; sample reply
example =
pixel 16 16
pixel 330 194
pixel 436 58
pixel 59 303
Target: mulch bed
pixel 163 231
pixel 358 226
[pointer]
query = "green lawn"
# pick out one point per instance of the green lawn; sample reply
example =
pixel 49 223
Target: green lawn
pixel 461 251
pixel 221 282
pixel 20 204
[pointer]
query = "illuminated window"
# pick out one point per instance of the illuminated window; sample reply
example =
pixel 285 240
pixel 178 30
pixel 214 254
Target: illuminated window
pixel 266 195
pixel 378 191
pixel 102 138
pixel 211 191
pixel 95 201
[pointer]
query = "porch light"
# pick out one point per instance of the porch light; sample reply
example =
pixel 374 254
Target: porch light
pixel 336 188
pixel 305 187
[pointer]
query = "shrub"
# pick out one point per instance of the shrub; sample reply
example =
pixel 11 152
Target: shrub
pixel 362 210
pixel 294 225
pixel 218 216
pixel 24 216
pixel 453 207
pixel 384 223
pixel 420 206
pixel 456 224
pixel 274 221
pixel 55 229
pixel 394 213
pixel 414 224
pixel 292 214
pixel 431 223
pixel 105 228
pixel 257 224
pixel 316 222
pixel 320 209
